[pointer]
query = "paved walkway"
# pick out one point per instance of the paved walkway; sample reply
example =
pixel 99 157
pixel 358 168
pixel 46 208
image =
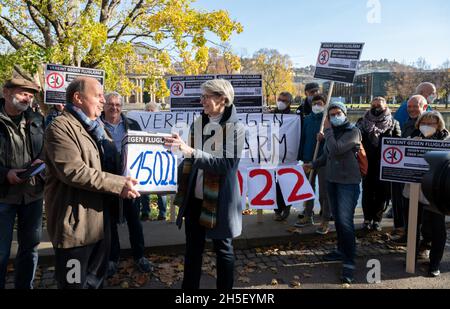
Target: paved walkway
pixel 163 236
pixel 298 264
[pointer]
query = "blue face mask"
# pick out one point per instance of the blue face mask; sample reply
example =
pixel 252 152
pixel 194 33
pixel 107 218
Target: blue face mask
pixel 337 121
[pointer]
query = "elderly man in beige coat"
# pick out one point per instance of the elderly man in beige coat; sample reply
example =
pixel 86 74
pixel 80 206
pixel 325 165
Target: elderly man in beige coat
pixel 76 186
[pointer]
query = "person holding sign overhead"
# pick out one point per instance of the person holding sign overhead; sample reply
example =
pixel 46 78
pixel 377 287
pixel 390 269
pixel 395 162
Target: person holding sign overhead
pixel 208 193
pixel 342 142
pixel 80 161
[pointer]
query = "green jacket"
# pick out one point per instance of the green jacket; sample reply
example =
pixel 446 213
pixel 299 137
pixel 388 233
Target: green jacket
pixel 34 132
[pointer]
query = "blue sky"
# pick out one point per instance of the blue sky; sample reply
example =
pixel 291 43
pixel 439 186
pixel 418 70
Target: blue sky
pixel 408 29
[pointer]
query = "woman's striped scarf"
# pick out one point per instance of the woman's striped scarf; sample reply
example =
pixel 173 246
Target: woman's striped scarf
pixel 211 185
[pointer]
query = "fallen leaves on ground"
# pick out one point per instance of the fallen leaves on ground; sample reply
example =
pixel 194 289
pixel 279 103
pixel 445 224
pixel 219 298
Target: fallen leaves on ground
pixel 295 284
pixel 247 212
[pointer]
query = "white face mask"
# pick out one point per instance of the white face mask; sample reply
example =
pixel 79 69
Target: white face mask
pixel 19 106
pixel 427 130
pixel 317 109
pixel 281 105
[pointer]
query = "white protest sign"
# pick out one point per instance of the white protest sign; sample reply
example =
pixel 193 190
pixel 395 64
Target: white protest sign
pixel 261 188
pixel 58 77
pixel 185 92
pixel 269 138
pixel 402 160
pixel 145 158
pixel 338 61
pixel 294 184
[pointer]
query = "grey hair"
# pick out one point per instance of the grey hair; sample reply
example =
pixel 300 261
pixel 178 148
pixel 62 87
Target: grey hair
pixel 113 94
pixel 420 99
pixel 422 86
pixel 432 115
pixel 288 95
pixel 220 87
pixel 152 105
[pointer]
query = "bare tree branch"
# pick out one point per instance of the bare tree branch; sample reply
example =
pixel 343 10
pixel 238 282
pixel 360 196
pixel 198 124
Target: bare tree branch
pixel 8 36
pixel 56 26
pixel 22 33
pixel 88 6
pixel 132 17
pixel 23 73
pixel 43 27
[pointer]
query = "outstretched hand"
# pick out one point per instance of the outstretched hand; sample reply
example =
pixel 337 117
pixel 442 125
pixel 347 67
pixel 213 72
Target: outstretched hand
pixel 128 191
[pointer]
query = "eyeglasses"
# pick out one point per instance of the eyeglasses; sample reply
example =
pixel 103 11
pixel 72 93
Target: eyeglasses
pixel 207 96
pixel 114 105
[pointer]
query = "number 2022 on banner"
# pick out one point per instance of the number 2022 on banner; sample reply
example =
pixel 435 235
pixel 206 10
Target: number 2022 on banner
pixel 156 170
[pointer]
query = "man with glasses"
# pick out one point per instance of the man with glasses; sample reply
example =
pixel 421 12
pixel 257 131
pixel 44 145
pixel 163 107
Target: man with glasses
pixel 117 124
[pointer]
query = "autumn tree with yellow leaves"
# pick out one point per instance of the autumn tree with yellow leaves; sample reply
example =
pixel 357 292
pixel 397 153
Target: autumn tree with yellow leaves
pixel 277 71
pixel 104 34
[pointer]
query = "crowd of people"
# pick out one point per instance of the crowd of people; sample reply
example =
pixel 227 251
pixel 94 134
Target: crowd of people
pixel 86 197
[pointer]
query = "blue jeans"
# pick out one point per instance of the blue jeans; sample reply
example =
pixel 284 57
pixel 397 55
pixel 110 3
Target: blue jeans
pixel 29 230
pixel 343 199
pixel 162 204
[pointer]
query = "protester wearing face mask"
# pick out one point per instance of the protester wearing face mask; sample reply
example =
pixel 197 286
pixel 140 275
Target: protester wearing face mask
pixel 376 124
pixel 311 89
pixel 284 102
pixel 310 136
pixel 342 142
pixel 430 126
pixel 414 107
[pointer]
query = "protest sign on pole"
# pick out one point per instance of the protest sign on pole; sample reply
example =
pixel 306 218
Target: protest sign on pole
pixel 185 92
pixel 58 77
pixel 336 62
pixel 402 160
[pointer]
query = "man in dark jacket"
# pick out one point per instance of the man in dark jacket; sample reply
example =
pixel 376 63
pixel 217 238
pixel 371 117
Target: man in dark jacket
pixel 311 135
pixel 117 124
pixel 284 102
pixel 311 89
pixel 21 142
pixel 376 124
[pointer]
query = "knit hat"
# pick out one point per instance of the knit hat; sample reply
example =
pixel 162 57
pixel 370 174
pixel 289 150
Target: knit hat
pixel 339 105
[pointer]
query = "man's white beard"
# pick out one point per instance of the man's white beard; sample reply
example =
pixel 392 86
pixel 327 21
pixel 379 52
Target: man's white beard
pixel 19 106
